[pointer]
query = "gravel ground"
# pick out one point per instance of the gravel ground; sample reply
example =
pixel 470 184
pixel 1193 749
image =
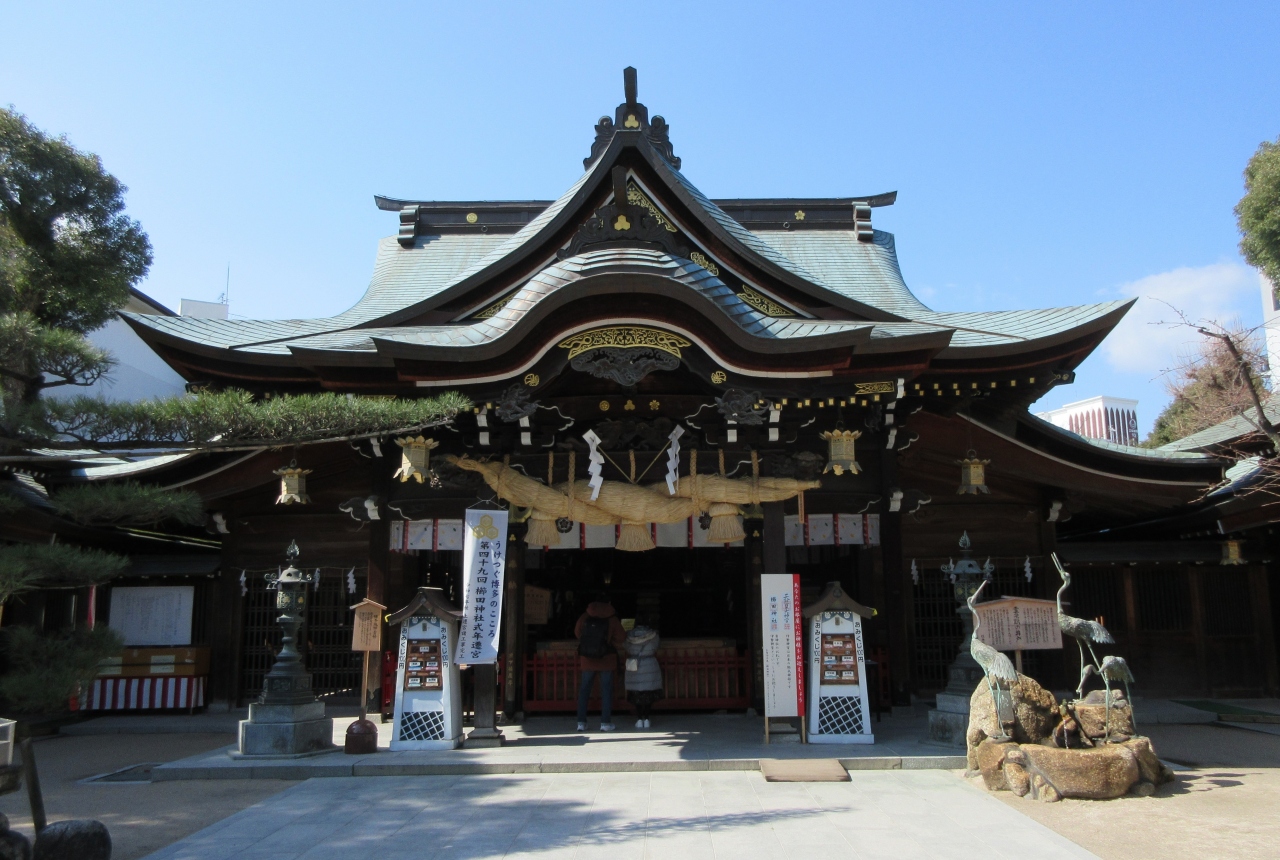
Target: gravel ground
pixel 1222 807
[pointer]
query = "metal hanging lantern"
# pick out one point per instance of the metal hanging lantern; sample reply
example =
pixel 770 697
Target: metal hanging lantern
pixel 840 451
pixel 293 484
pixel 973 474
pixel 415 459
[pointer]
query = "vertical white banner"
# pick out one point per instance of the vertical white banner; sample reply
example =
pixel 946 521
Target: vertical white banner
pixel 783 645
pixel 484 554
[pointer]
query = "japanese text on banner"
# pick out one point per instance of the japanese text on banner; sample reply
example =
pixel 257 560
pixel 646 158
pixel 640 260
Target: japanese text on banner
pixel 484 551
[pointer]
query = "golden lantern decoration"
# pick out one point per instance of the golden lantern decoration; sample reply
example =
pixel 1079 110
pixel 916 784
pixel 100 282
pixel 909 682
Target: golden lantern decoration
pixel 1231 553
pixel 973 474
pixel 415 458
pixel 293 484
pixel 840 451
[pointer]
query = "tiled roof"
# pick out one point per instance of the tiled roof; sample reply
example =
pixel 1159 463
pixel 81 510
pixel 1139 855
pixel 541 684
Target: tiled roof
pixel 864 271
pixel 1226 431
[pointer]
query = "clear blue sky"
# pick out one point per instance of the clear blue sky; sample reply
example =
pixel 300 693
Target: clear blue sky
pixel 1043 156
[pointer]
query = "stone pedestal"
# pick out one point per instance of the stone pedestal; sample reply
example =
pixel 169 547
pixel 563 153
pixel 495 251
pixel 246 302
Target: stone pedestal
pixel 949 721
pixel 486 732
pixel 286 731
pixel 783 731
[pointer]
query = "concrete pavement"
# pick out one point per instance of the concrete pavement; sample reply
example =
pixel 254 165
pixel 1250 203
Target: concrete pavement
pixel 904 815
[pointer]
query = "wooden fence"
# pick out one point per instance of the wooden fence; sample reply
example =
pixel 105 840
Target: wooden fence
pixel 693 679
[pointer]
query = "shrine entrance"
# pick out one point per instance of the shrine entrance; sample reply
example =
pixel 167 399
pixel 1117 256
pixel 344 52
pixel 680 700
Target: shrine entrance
pixel 697 599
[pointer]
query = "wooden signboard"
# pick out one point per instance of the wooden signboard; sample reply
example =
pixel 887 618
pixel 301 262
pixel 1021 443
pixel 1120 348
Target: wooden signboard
pixel 1019 624
pixel 366 630
pixel 366 636
pixel 537 605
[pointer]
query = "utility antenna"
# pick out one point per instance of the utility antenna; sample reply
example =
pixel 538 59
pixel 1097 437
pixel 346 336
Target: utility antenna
pixel 225 298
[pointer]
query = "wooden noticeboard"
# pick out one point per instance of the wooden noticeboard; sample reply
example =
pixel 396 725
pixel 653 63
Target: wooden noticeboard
pixel 1019 624
pixel 366 629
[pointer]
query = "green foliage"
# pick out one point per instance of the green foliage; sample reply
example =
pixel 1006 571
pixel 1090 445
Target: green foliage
pixel 128 503
pixel 24 567
pixel 45 670
pixel 34 357
pixel 1258 212
pixel 68 253
pixel 228 419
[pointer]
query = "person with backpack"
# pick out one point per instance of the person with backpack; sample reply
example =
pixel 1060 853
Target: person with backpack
pixel 600 635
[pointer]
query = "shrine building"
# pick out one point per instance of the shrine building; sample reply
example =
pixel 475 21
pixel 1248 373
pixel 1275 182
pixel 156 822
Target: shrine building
pixel 770 342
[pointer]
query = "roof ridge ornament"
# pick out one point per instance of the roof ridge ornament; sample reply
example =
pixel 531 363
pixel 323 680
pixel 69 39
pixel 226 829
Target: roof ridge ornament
pixel 631 115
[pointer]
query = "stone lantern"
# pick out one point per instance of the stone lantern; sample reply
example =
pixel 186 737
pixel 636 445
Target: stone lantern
pixel 947 722
pixel 287 721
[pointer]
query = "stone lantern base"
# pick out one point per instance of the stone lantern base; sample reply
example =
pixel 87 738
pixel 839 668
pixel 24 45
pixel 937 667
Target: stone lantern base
pixel 285 731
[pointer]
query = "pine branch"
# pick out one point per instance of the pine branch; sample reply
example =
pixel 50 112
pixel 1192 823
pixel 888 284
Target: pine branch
pixel 25 567
pixel 234 420
pixel 128 503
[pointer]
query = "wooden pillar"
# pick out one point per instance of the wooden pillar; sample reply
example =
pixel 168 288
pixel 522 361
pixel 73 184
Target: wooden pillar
pixel 514 630
pixel 896 592
pixel 775 538
pixel 1264 627
pixel 1198 631
pixel 225 627
pixel 754 567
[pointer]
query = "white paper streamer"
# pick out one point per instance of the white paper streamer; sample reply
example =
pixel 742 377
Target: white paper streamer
pixel 595 467
pixel 244 585
pixel 673 460
pixel 351 581
pixel 1026 568
pixel 317 588
pixel 915 573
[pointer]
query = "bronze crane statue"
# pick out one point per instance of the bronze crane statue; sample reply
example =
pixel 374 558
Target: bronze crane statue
pixel 995 666
pixel 1116 669
pixel 1084 632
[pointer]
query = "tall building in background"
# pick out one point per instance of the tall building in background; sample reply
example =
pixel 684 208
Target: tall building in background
pixel 1112 419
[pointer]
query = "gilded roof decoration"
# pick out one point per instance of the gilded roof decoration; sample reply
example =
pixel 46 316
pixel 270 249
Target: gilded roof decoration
pixel 624 336
pixel 762 303
pixel 875 388
pixel 636 197
pixel 702 261
pixel 494 308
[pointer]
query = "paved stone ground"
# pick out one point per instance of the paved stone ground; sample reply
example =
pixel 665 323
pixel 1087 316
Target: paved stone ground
pixel 141 817
pixel 673 816
pixel 550 744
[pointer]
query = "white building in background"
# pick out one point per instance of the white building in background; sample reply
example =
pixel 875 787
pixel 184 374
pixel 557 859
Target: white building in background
pixel 1112 419
pixel 1271 325
pixel 139 373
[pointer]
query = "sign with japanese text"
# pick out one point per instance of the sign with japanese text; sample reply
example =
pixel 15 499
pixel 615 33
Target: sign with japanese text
pixel 1019 624
pixel 366 627
pixel 484 555
pixel 783 645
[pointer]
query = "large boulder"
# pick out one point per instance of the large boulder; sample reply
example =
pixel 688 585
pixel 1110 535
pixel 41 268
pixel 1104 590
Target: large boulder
pixel 81 839
pixel 1035 713
pixel 1091 713
pixel 1049 773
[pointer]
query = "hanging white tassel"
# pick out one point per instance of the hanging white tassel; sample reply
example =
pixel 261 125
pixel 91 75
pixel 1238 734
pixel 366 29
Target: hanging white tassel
pixel 244 585
pixel 915 573
pixel 1026 568
pixel 673 460
pixel 351 581
pixel 595 467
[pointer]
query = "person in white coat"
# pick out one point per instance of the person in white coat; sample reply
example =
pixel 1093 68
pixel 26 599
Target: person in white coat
pixel 644 675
